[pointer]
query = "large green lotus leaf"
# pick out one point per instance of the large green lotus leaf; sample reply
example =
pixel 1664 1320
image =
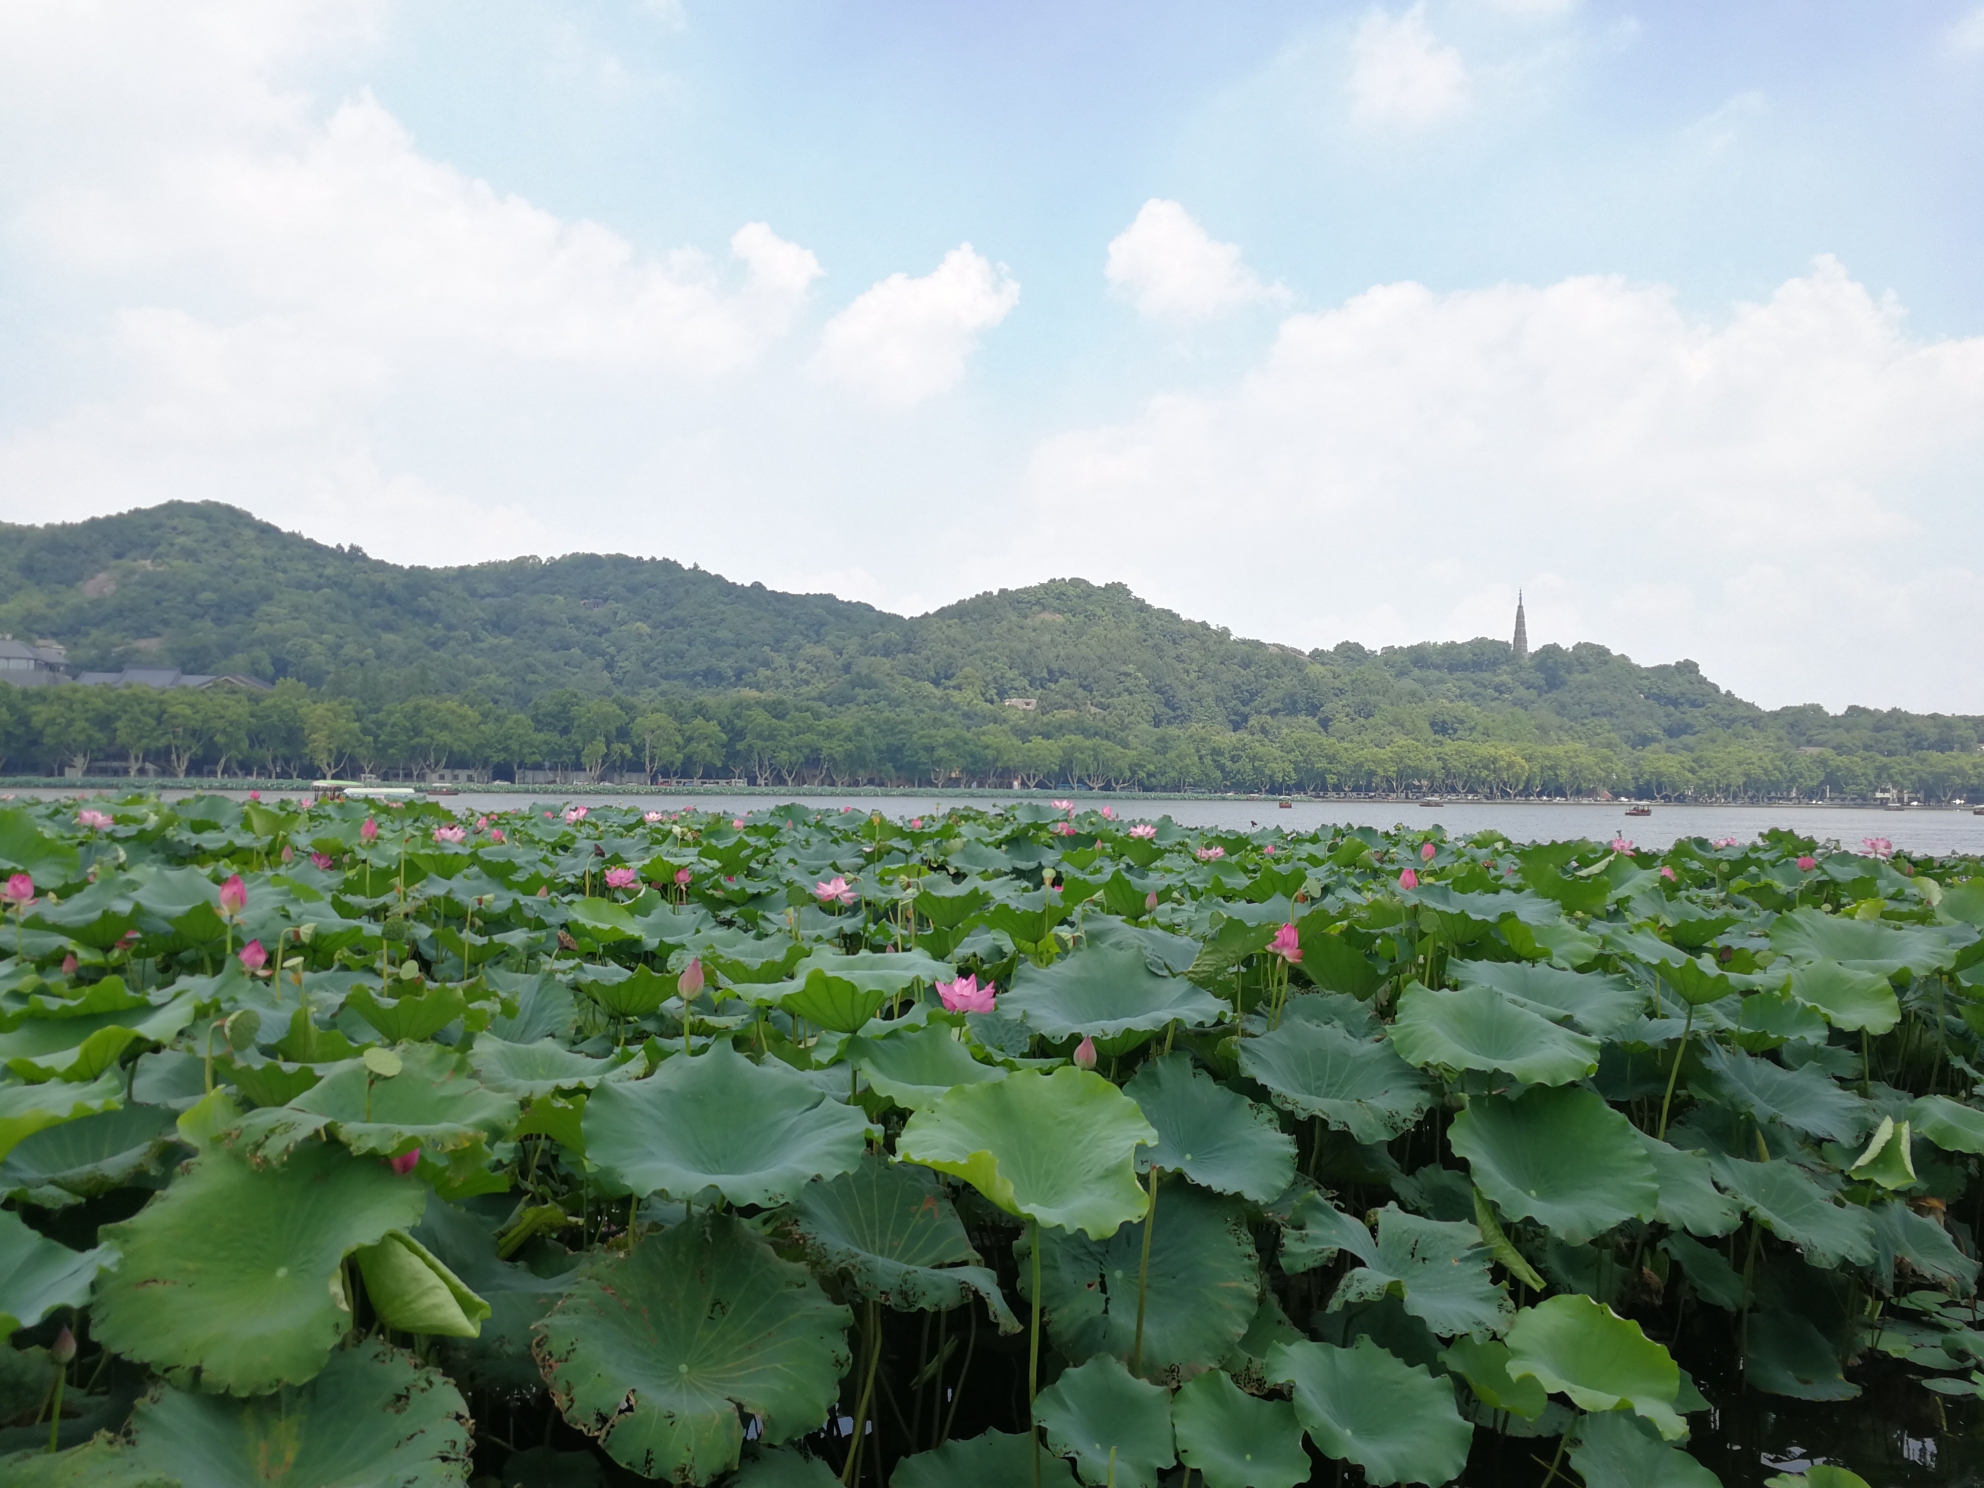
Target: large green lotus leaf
pixel 24 849
pixel 915 1067
pixel 82 1159
pixel 1214 1136
pixel 1713 1278
pixel 1581 1348
pixel 782 1467
pixel 602 919
pixel 1234 1440
pixel 541 1068
pixel 1949 1124
pixel 1484 1364
pixel 888 972
pixel 893 1231
pixel 81 1049
pixel 1785 1354
pixel 1104 990
pixel 27 1109
pixel 1561 1157
pixel 433 1103
pixel 633 994
pixel 993 1459
pixel 1603 1006
pixel 1846 997
pixel 372 1416
pixel 1365 1406
pixel 1438 1269
pixel 1357 1085
pixel 1806 1099
pixel 829 1001
pixel 656 1352
pixel 1315 1230
pixel 101 1462
pixel 498 1356
pixel 1203 1287
pixel 1164 951
pixel 1116 1427
pixel 1697 981
pixel 1794 1208
pixel 38 1275
pixel 756 1133
pixel 1477 1028
pixel 1615 1451
pixel 418 1015
pixel 413 1292
pixel 1058 1147
pixel 1689 1199
pixel 1902 1234
pixel 234 1270
pixel 1809 934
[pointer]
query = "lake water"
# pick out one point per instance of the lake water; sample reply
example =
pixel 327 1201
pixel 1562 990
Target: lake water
pixel 1919 830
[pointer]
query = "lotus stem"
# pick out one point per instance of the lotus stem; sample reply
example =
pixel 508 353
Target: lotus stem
pixel 853 1464
pixel 1556 1460
pixel 55 1411
pixel 1033 1352
pixel 1143 1275
pixel 1667 1100
pixel 964 1373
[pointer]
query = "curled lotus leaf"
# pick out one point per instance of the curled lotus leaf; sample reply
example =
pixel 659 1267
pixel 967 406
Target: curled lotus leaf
pixel 1786 1354
pixel 656 1352
pixel 81 1159
pixel 371 1416
pixel 1214 1136
pixel 235 1270
pixel 1058 1147
pixel 1484 1364
pixel 1105 990
pixel 1560 1156
pixel 1477 1028
pixel 1949 1124
pixel 1846 997
pixel 432 1102
pixel 1366 1406
pixel 1115 1426
pixel 1575 1346
pixel 27 1109
pixel 1438 1269
pixel 38 1275
pixel 542 1068
pixel 413 1292
pixel 1235 1440
pixel 1357 1085
pixel 755 1133
pixel 82 1048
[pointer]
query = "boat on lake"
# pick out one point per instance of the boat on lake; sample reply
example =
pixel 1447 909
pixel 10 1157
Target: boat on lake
pixel 1639 811
pixel 1432 801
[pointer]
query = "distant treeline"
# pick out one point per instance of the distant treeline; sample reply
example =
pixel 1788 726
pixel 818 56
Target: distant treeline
pixel 941 739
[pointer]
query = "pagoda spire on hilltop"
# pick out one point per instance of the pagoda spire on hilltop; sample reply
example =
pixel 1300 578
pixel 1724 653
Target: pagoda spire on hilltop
pixel 1522 631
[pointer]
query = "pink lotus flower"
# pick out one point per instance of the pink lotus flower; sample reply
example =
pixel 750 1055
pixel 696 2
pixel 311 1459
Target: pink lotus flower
pixel 253 957
pixel 496 836
pixel 96 821
pixel 834 888
pixel 1622 845
pixel 916 824
pixel 322 860
pixel 1806 865
pixel 737 823
pixel 1666 873
pixel 1287 944
pixel 288 853
pixel 1269 849
pixel 63 1349
pixel 1144 830
pixel 1085 1054
pixel 254 795
pixel 1064 805
pixel 682 877
pixel 1150 902
pixel 691 980
pixel 1408 880
pixel 451 834
pixel 549 814
pixel 1724 842
pixel 965 995
pixel 405 1163
pixel 19 892
pixel 369 832
pixel 482 824
pixel 1109 813
pixel 233 897
pixel 1877 847
pixel 1426 852
pixel 1064 829
pixel 69 964
pixel 650 818
pixel 621 878
pixel 1210 854
pixel 575 814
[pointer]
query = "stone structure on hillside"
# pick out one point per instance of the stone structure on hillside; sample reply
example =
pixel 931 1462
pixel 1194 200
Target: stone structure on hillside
pixel 1522 631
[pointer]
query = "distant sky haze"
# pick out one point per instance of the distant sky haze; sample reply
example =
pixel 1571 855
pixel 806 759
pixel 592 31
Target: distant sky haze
pixel 1316 321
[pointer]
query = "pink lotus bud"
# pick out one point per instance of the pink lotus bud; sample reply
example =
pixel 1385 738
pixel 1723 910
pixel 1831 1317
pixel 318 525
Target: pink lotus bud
pixel 1426 852
pixel 482 824
pixel 254 795
pixel 737 823
pixel 916 824
pixel 63 1350
pixel 691 980
pixel 253 957
pixel 369 832
pixel 233 896
pixel 1408 880
pixel 406 1162
pixel 1109 813
pixel 1666 872
pixel 288 853
pixel 496 836
pixel 621 878
pixel 69 964
pixel 19 891
pixel 544 891
pixel 1806 865
pixel 1085 1054
pixel 682 877
pixel 1150 901
pixel 1269 849
pixel 1287 944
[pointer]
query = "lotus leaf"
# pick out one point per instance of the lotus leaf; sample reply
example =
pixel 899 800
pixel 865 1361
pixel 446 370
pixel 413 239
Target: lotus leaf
pixel 656 1352
pixel 1234 1440
pixel 413 1292
pixel 1439 1270
pixel 1116 1427
pixel 1794 1208
pixel 1357 1085
pixel 27 1109
pixel 1714 1279
pixel 877 971
pixel 1583 1349
pixel 1949 1124
pixel 1484 1364
pixel 1204 1280
pixel 101 1462
pixel 1561 1157
pixel 915 1067
pixel 1105 990
pixel 992 1459
pixel 1057 1148
pixel 540 1068
pixel 1902 1234
pixel 783 1467
pixel 1365 1406
pixel 755 1133
pixel 1786 1355
pixel 1807 935
pixel 419 1014
pixel 1805 1099
pixel 894 1233
pixel 1886 1160
pixel 1603 1006
pixel 371 1416
pixel 1689 1199
pixel 234 1270
pixel 1847 998
pixel 1615 1451
pixel 80 1049
pixel 433 1103
pixel 81 1159
pixel 38 1275
pixel 1214 1136
pixel 635 994
pixel 1478 1028
pixel 831 1002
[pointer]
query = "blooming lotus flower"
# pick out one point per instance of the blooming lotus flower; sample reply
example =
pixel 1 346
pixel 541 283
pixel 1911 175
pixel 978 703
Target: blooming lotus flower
pixel 322 860
pixel 1666 873
pixel 621 878
pixel 254 795
pixel 19 892
pixel 737 823
pixel 369 832
pixel 965 995
pixel 575 814
pixel 1064 829
pixel 1085 1054
pixel 834 888
pixel 682 877
pixel 1269 849
pixel 1287 944
pixel 1408 880
pixel 916 824
pixel 1109 813
pixel 1064 805
pixel 451 834
pixel 496 836
pixel 1426 851
pixel 1210 854
pixel 1806 865
pixel 405 1163
pixel 1724 842
pixel 233 896
pixel 1877 847
pixel 1145 830
pixel 650 818
pixel 482 824
pixel 1622 845
pixel 253 957
pixel 96 821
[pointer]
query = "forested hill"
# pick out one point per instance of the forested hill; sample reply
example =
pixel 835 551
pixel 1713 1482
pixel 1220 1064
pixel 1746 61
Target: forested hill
pixel 209 588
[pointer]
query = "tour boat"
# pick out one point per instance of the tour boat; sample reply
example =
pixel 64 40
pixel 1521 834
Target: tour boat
pixel 1639 811
pixel 1432 801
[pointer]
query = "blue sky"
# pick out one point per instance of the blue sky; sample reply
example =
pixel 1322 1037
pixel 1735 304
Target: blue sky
pixel 1319 321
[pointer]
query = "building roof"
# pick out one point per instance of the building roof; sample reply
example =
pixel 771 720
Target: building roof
pixel 165 677
pixel 22 651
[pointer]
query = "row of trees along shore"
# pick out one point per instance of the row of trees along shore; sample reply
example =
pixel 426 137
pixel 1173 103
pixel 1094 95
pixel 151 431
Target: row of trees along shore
pixel 294 732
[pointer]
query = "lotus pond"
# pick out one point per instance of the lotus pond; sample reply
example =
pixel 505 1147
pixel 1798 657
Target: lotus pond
pixel 1010 1147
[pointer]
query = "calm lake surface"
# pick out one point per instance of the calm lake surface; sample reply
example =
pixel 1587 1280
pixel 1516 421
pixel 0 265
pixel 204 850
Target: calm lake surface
pixel 1919 829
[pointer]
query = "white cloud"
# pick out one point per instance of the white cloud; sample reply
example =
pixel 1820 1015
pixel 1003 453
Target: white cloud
pixel 1967 35
pixel 905 340
pixel 1783 494
pixel 1169 266
pixel 1401 74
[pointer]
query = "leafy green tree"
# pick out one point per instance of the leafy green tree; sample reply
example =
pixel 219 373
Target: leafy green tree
pixel 332 733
